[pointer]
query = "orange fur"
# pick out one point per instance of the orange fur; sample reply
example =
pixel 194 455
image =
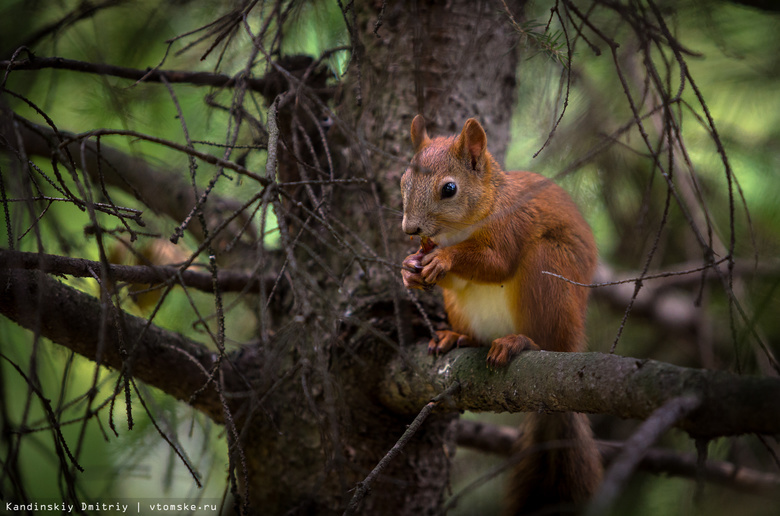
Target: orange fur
pixel 496 236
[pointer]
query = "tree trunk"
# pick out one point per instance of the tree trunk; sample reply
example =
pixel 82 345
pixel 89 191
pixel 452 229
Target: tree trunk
pixel 322 430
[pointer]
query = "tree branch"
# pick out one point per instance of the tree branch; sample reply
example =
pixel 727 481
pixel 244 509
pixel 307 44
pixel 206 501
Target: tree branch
pixel 164 359
pixel 662 299
pixel 586 382
pixel 161 190
pixel 216 80
pixel 500 439
pixel 363 487
pixel 618 473
pixel 227 280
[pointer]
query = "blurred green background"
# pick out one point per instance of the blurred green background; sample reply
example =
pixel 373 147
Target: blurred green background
pixel 736 67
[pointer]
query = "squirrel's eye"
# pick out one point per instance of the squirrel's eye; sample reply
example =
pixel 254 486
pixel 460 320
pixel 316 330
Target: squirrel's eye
pixel 448 190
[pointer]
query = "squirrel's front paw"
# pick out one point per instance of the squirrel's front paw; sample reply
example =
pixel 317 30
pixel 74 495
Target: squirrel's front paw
pixel 436 265
pixel 412 272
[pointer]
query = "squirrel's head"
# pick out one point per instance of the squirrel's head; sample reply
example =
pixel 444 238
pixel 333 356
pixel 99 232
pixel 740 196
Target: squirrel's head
pixel 448 187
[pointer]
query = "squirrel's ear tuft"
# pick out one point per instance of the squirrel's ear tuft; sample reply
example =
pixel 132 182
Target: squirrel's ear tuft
pixel 419 134
pixel 473 140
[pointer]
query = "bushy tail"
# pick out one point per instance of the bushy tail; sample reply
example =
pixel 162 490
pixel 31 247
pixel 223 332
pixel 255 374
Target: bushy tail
pixel 559 467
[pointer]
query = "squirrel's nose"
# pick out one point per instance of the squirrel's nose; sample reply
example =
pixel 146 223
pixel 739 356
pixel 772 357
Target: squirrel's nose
pixel 410 227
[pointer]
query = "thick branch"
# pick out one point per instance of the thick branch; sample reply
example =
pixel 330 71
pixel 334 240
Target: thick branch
pixel 73 319
pixel 228 281
pixel 586 382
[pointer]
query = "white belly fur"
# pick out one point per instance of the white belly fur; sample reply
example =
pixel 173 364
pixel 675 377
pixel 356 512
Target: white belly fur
pixel 486 308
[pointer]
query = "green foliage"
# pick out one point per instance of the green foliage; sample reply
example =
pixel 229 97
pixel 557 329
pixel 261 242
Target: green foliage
pixel 551 44
pixel 133 35
pixel 621 194
pixel 86 440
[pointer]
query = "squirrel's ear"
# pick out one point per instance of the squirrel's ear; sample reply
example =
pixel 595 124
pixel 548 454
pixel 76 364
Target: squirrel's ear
pixel 473 140
pixel 419 134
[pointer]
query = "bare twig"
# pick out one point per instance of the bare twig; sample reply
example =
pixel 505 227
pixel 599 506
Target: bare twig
pixel 362 489
pixel 208 158
pixel 161 190
pixel 174 76
pixel 634 449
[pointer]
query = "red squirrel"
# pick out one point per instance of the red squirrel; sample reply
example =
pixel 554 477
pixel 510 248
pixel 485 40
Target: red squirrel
pixel 487 236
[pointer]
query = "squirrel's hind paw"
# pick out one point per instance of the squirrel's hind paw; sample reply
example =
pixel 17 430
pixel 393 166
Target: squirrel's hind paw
pixel 504 348
pixel 447 340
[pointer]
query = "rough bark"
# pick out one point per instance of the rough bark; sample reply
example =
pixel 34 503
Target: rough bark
pixel 348 432
pixel 596 383
pixel 431 58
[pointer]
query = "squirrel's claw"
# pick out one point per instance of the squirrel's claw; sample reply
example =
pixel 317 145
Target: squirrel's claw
pixel 504 348
pixel 410 273
pixel 446 340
